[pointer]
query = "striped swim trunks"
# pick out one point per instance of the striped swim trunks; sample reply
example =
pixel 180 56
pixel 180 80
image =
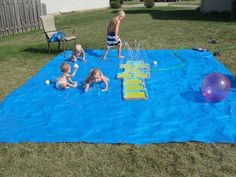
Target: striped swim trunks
pixel 111 40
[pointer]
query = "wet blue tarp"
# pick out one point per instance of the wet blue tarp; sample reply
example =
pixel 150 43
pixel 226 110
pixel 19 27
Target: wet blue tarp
pixel 174 112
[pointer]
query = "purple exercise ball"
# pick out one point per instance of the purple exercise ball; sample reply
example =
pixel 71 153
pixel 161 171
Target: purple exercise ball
pixel 215 87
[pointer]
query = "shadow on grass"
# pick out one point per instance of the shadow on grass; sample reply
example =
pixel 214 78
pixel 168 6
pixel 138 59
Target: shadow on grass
pixel 41 50
pixel 181 14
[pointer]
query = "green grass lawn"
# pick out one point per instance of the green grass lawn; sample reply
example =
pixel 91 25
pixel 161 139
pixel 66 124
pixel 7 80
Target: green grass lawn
pixel 132 2
pixel 23 55
pixel 193 2
pixel 186 2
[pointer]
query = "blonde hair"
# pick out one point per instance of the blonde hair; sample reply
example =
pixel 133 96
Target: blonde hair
pixel 78 47
pixel 113 22
pixel 92 73
pixel 95 71
pixel 120 13
pixel 65 67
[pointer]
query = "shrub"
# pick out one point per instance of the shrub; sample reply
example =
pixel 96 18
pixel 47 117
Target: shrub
pixel 115 4
pixel 233 10
pixel 149 3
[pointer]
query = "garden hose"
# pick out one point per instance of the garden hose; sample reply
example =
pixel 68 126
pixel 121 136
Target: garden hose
pixel 181 65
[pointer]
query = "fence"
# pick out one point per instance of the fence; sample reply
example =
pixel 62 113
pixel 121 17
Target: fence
pixel 17 16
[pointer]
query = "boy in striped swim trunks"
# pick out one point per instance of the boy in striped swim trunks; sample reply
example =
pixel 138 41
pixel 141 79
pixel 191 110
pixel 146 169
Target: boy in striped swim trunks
pixel 112 34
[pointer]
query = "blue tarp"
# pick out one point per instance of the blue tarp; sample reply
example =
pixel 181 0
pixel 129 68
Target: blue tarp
pixel 174 112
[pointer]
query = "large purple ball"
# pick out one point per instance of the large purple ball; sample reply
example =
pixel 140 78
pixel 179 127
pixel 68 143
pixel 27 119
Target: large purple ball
pixel 215 87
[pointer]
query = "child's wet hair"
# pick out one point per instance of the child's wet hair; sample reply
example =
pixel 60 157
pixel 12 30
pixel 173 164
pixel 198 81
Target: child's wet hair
pixel 95 71
pixel 78 47
pixel 120 13
pixel 65 67
pixel 92 73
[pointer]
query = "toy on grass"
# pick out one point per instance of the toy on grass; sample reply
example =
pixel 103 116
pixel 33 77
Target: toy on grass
pixel 215 87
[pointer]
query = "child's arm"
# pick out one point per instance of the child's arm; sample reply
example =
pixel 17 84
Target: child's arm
pixel 70 81
pixel 117 28
pixel 74 72
pixel 105 80
pixel 72 84
pixel 73 57
pixel 76 66
pixel 86 87
pixel 83 55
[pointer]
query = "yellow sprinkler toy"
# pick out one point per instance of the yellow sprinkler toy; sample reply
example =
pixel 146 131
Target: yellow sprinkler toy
pixel 133 77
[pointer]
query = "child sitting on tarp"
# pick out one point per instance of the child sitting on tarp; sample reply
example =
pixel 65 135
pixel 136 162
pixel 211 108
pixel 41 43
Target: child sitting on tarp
pixel 77 52
pixel 65 80
pixel 96 76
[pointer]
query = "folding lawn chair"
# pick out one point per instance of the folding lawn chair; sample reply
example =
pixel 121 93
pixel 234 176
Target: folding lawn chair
pixel 53 35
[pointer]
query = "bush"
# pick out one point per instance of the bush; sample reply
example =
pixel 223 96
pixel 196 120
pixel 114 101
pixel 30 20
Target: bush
pixel 233 10
pixel 149 3
pixel 115 4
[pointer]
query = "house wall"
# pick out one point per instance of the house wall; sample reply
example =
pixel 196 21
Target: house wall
pixel 56 6
pixel 216 5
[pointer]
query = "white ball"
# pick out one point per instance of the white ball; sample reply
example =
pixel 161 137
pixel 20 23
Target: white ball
pixel 155 62
pixel 76 66
pixel 47 82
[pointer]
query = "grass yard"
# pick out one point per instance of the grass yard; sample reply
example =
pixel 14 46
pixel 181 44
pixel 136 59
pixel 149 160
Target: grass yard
pixel 183 2
pixel 132 2
pixel 23 55
pixel 191 2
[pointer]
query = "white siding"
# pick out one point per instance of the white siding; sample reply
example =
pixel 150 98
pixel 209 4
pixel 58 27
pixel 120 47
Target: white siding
pixel 56 6
pixel 216 5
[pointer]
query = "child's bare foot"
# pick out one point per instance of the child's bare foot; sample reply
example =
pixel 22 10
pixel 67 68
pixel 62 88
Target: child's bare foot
pixel 74 84
pixel 104 90
pixel 103 58
pixel 121 56
pixel 73 60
